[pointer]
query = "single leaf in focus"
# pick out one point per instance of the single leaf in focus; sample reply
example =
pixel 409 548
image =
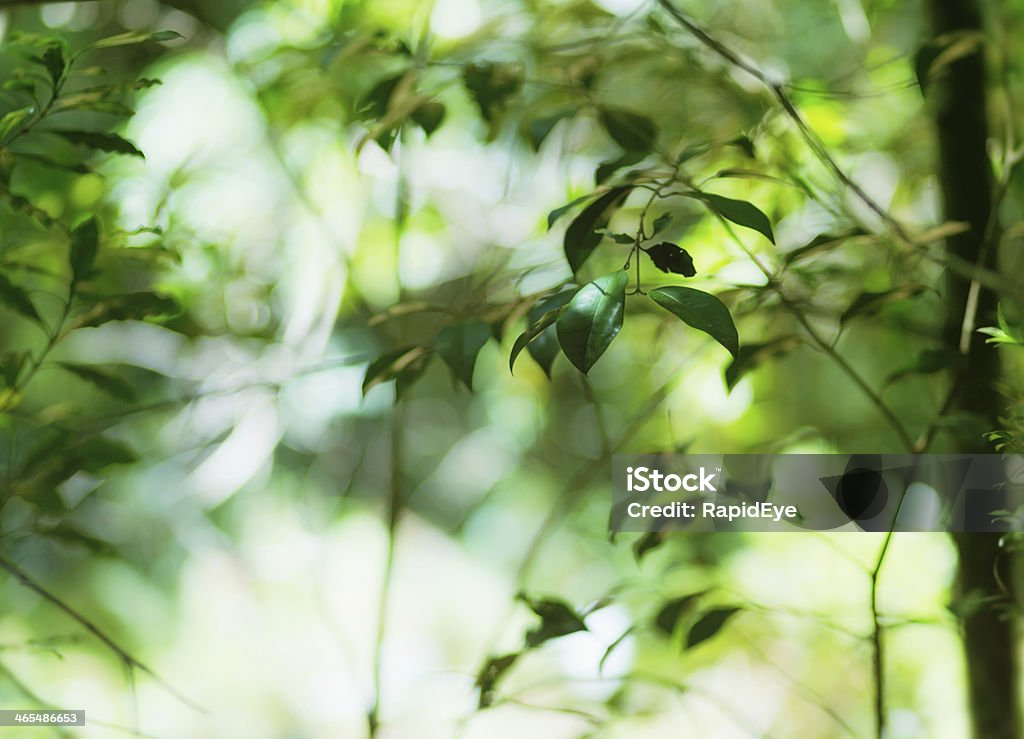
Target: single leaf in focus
pixel 458 344
pixel 582 237
pixel 671 258
pixel 708 625
pixel 702 311
pixel 592 320
pixel 740 212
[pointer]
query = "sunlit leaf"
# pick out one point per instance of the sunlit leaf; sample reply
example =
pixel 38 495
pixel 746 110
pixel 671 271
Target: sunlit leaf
pixel 592 320
pixel 136 37
pixel 702 311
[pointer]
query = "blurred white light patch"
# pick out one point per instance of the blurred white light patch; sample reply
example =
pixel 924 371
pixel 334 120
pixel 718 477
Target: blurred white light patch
pixel 310 402
pixel 241 456
pixel 455 18
pixel 579 655
pixel 253 37
pixel 920 509
pixel 421 261
pixel 475 464
pixel 621 7
pixel 704 394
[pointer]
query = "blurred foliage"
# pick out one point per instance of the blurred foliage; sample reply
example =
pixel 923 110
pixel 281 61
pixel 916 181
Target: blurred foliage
pixel 364 298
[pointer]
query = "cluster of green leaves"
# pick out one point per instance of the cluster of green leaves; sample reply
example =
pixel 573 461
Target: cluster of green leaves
pixel 62 271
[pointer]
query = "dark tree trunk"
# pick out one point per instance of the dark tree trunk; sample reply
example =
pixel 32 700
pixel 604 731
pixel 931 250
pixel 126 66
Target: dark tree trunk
pixel 959 97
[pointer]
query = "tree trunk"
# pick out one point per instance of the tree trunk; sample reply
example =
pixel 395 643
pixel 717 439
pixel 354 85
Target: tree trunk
pixel 966 177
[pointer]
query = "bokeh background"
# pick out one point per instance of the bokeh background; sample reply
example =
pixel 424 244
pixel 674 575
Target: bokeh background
pixel 252 554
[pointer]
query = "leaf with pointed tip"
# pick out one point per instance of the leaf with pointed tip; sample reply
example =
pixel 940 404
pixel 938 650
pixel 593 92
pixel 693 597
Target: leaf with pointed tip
pixel 557 619
pixel 668 617
pixel 702 311
pixel 708 625
pixel 56 65
pixel 740 212
pixel 403 365
pixel 99 140
pixel 429 116
pixel 592 320
pixel 489 675
pixel 458 344
pixel 540 338
pixel 581 238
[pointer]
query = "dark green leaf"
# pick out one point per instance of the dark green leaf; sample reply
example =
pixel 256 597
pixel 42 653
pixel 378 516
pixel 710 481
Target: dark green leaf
pixel 754 355
pixel 581 238
pixel 741 213
pixel 406 364
pixel 592 320
pixel 85 244
pixel 607 169
pixel 459 344
pixel 66 533
pixel 491 85
pixel 630 131
pixel 708 625
pixel 671 258
pixel 53 60
pixel 532 332
pixel 661 223
pixel 130 307
pixel 539 129
pixel 99 452
pixel 490 674
pixel 16 299
pixel 11 365
pixel 668 617
pixel 869 302
pixel 100 141
pixel 429 116
pixel 557 619
pixel 112 385
pixel 702 311
pixel 543 345
pixel 559 212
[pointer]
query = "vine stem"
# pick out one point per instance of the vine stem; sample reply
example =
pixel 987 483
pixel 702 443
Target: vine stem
pixel 877 651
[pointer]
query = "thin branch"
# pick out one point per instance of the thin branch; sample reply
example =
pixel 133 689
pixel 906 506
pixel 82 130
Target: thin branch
pixel 878 655
pixel 126 658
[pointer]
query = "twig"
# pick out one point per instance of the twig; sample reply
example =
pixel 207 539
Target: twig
pixel 878 655
pixel 126 658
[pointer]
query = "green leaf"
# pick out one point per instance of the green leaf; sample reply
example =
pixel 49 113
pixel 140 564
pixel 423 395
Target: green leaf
pixel 11 365
pixel 101 141
pixel 592 320
pixel 540 338
pixel 100 452
pixel 630 131
pixel 668 617
pixel 559 212
pixel 16 299
pixel 69 534
pixel 708 625
pixel 135 37
pixel 557 619
pixel 56 65
pixel 869 302
pixel 404 366
pixel 459 344
pixel 671 258
pixel 581 238
pixel 754 355
pixel 490 673
pixel 539 129
pixel 607 169
pixel 823 242
pixel 702 311
pixel 661 223
pixel 740 212
pixel 928 362
pixel 85 245
pixel 429 116
pixel 491 85
pixel 129 307
pixel 13 119
pixel 112 385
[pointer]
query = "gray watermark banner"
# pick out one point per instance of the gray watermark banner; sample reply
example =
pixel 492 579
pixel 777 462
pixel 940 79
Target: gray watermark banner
pixel 818 492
